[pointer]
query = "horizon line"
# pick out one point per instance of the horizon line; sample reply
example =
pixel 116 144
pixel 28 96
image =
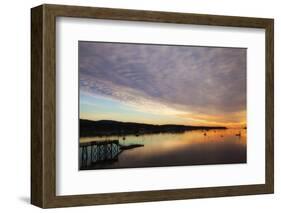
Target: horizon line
pixel 156 124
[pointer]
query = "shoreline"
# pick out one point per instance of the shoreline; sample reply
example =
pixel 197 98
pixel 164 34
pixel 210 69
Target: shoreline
pixel 106 128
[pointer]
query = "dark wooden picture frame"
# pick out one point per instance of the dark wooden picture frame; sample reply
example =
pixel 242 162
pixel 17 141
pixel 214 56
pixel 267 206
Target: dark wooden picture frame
pixel 43 105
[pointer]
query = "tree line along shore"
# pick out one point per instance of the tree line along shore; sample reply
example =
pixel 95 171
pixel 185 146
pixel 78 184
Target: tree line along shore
pixel 116 128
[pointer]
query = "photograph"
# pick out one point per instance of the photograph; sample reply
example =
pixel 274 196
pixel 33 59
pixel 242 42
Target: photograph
pixel 140 105
pixel 158 105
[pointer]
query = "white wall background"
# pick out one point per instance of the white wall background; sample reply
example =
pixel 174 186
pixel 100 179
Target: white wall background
pixel 15 105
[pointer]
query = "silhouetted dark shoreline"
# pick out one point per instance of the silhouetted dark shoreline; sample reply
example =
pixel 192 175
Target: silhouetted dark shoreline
pixel 116 128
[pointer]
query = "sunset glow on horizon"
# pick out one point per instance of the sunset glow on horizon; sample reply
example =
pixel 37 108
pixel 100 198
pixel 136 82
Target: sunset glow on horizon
pixel 163 84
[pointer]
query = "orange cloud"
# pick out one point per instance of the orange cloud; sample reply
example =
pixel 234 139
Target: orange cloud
pixel 236 119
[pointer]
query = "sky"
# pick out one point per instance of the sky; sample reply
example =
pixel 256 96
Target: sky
pixel 162 84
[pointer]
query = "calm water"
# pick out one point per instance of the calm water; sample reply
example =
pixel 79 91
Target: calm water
pixel 189 148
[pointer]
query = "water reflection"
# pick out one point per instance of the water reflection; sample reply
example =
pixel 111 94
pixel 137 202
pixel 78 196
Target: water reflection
pixel 188 148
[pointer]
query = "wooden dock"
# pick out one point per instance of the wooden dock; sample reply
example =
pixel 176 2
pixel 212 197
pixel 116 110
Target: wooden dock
pixel 104 142
pixel 105 151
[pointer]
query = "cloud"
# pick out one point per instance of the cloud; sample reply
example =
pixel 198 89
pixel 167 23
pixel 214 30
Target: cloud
pixel 203 80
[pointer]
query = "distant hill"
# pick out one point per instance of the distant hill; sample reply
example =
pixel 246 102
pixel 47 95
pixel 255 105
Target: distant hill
pixel 110 128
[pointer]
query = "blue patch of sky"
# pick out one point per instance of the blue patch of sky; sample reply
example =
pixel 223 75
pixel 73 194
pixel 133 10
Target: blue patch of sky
pixel 104 108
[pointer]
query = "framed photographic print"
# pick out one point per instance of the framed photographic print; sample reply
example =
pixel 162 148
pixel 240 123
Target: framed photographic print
pixel 136 106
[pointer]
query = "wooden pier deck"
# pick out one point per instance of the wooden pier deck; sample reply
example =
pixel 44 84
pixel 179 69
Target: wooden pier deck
pixel 94 152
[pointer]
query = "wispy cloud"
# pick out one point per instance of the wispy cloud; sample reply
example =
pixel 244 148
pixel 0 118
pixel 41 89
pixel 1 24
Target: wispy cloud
pixel 176 80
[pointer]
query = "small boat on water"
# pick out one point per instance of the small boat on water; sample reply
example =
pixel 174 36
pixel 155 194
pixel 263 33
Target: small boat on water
pixel 238 134
pixel 205 133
